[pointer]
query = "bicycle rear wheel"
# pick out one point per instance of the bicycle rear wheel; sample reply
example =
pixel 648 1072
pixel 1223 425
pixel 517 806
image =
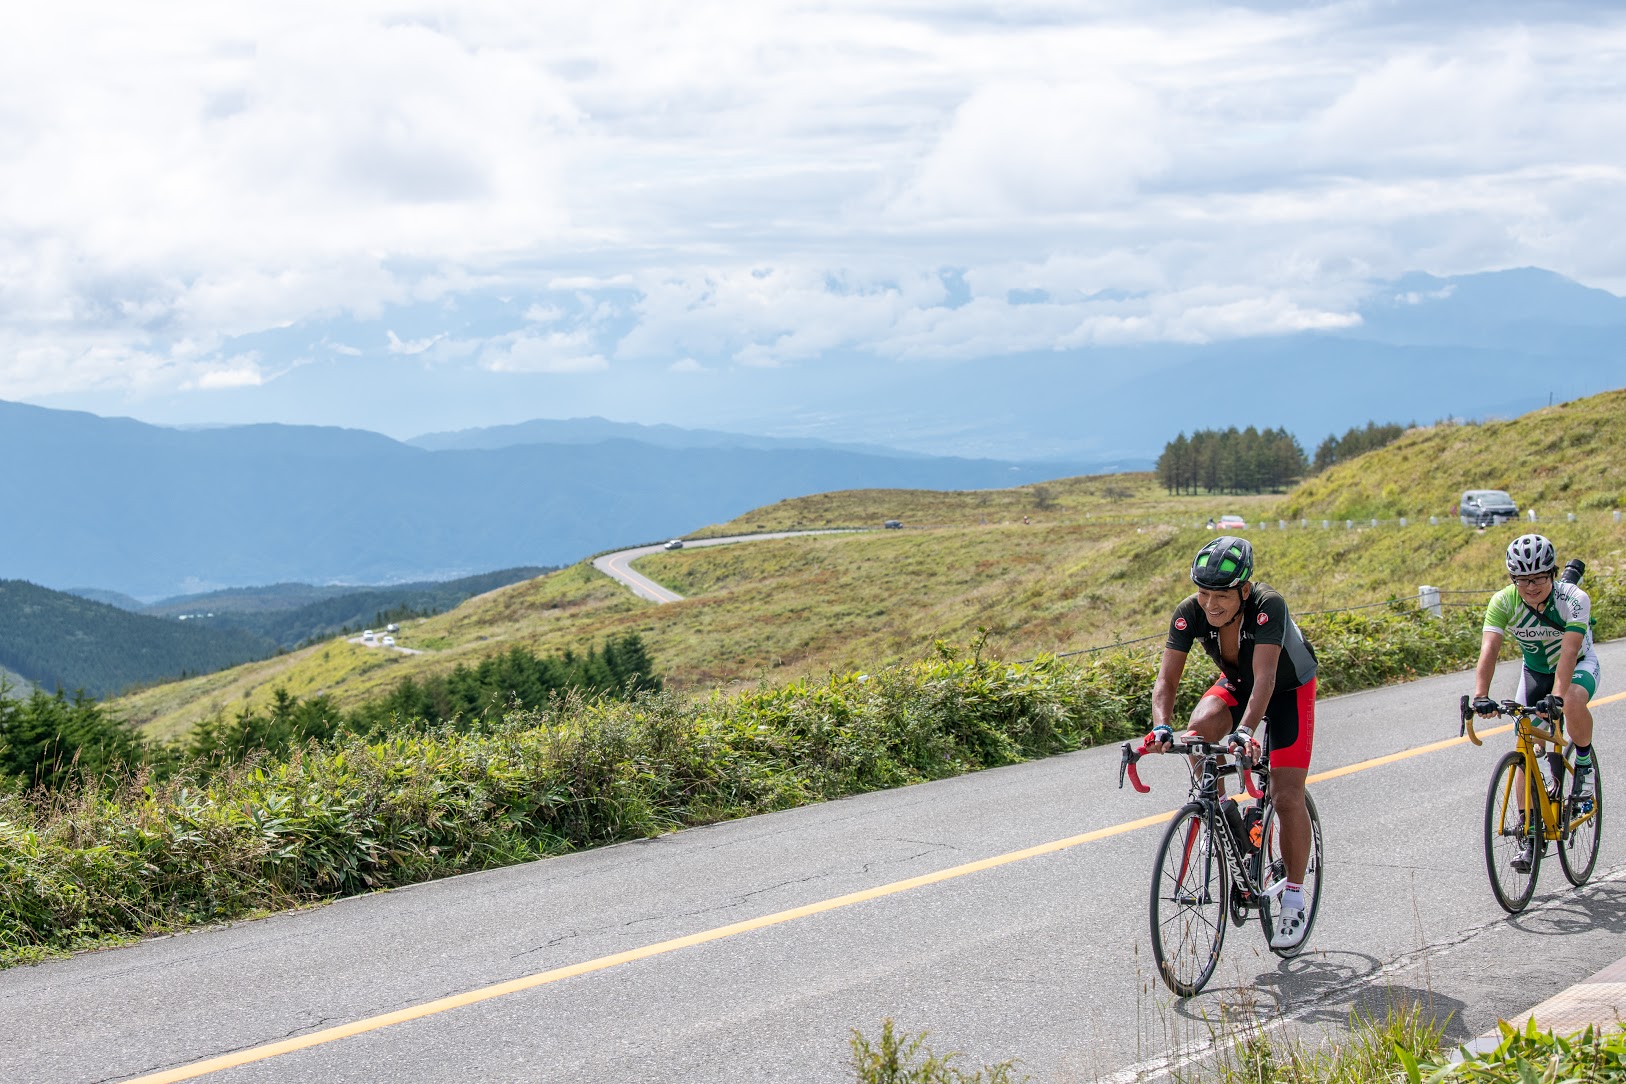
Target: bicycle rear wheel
pixel 1507 832
pixel 1273 867
pixel 1579 853
pixel 1191 887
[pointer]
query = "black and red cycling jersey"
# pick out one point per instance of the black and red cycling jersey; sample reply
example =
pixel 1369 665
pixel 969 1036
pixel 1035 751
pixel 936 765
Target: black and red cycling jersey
pixel 1290 714
pixel 1264 620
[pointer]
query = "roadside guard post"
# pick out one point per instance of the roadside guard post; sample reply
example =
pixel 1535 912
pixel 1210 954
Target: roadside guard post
pixel 1428 598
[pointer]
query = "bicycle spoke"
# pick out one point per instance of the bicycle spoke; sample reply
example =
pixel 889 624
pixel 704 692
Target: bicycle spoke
pixel 1513 840
pixel 1190 892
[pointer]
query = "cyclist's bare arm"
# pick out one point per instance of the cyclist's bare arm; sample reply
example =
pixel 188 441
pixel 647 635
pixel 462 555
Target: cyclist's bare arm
pixel 1569 651
pixel 1164 690
pixel 1265 658
pixel 1490 646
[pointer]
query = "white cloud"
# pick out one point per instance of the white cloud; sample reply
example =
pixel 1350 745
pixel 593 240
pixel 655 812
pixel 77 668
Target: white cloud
pixel 241 372
pixel 553 352
pixel 1029 146
pixel 687 365
pixel 762 185
pixel 413 346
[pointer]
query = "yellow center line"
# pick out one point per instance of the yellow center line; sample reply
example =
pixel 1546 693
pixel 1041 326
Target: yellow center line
pixel 661 948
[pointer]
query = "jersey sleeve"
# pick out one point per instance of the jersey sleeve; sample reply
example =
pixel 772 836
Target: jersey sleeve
pixel 1499 613
pixel 1183 626
pixel 1576 607
pixel 1271 623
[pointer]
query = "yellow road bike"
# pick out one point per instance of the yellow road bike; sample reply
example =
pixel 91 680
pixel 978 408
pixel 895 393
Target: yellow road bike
pixel 1527 807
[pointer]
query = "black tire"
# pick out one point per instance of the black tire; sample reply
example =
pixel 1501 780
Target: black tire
pixel 1191 890
pixel 1578 854
pixel 1504 835
pixel 1273 868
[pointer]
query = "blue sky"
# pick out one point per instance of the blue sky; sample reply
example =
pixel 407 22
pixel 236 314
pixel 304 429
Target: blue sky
pixel 423 216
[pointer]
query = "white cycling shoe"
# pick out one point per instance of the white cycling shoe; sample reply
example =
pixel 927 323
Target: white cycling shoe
pixel 1292 923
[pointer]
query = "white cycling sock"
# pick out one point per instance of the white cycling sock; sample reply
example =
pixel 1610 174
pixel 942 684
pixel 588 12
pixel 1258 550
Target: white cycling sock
pixel 1293 897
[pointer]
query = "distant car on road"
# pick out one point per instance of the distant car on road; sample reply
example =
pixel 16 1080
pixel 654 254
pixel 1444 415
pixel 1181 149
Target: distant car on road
pixel 392 627
pixel 1486 507
pixel 1232 523
pixel 675 544
pixel 893 525
pixel 389 641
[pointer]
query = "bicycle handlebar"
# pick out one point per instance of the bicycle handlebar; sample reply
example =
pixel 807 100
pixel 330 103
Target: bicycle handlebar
pixel 1193 747
pixel 1515 710
pixel 1467 726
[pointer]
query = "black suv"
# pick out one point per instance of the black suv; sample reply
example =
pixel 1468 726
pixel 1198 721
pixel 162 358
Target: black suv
pixel 1485 507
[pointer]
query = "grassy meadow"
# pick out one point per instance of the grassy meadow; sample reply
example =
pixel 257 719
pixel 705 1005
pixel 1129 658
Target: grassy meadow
pixel 1100 559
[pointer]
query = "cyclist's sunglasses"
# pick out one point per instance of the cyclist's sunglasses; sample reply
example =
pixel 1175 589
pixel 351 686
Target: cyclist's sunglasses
pixel 1538 580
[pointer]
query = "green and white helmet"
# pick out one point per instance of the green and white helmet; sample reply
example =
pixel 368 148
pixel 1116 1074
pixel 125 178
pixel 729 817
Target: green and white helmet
pixel 1227 561
pixel 1530 555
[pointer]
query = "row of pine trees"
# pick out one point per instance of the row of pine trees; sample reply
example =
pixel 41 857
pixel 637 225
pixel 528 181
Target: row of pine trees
pixel 1254 460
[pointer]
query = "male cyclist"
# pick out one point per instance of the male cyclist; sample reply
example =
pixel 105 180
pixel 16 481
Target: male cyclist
pixel 1267 673
pixel 1551 621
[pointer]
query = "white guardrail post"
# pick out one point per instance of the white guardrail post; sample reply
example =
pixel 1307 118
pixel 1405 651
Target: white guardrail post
pixel 1428 598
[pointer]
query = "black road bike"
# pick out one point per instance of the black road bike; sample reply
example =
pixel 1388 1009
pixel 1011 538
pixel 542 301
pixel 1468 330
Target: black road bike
pixel 1213 862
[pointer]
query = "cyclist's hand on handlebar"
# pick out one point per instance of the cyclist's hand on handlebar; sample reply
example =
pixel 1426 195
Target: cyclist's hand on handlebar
pixel 1484 705
pixel 1241 740
pixel 1550 706
pixel 1159 740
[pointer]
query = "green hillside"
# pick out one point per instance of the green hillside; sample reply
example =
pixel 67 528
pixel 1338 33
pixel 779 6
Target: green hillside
pixel 58 640
pixel 1100 559
pixel 1565 458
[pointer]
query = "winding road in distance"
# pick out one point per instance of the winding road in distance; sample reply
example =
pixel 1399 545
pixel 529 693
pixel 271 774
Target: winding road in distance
pixel 618 565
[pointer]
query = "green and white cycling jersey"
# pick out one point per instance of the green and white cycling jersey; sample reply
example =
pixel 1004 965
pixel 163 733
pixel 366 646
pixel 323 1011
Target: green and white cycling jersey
pixel 1568 609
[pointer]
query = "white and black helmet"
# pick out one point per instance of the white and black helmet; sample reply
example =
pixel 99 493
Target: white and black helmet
pixel 1530 555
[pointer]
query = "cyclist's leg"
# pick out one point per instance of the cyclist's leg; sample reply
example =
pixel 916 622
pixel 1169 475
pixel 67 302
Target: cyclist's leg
pixel 1216 714
pixel 1217 711
pixel 1290 717
pixel 1532 687
pixel 1577 701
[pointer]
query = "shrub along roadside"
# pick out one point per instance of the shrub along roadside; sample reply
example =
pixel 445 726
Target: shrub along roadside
pixel 107 860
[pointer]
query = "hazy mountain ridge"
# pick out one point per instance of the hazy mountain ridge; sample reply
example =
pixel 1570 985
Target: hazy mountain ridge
pixel 154 510
pixel 596 430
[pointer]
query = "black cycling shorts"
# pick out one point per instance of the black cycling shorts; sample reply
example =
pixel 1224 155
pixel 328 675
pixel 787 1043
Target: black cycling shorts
pixel 1289 719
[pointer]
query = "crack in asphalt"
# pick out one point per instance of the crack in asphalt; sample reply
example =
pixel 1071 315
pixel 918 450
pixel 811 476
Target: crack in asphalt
pixel 304 1029
pixel 1173 1061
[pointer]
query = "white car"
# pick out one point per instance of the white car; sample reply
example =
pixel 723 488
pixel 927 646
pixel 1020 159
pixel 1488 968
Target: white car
pixel 389 641
pixel 675 544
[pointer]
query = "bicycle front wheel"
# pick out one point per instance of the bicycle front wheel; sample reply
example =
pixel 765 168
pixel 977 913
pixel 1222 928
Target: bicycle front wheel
pixel 1273 868
pixel 1513 841
pixel 1578 854
pixel 1191 887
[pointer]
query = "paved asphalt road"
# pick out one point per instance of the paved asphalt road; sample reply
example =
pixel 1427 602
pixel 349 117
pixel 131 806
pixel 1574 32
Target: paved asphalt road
pixel 1043 958
pixel 618 565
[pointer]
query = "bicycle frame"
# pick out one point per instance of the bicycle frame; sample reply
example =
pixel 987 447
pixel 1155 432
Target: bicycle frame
pixel 1529 740
pixel 1205 777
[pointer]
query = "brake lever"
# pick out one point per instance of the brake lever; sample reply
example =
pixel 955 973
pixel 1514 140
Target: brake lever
pixel 1126 766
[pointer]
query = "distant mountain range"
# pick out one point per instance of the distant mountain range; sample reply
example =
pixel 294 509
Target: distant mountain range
pixel 147 511
pixel 598 430
pixel 1496 344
